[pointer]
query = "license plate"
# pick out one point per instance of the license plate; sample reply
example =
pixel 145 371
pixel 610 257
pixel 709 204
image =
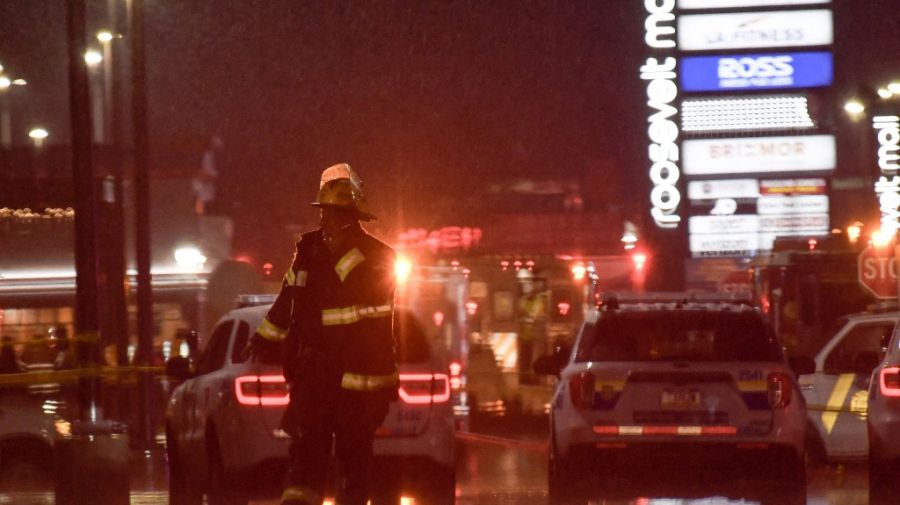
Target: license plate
pixel 680 399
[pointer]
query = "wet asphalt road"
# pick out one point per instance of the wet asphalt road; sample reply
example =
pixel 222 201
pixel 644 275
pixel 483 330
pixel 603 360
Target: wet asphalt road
pixel 499 471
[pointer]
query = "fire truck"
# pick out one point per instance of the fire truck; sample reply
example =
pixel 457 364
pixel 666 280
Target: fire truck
pixel 495 314
pixel 803 286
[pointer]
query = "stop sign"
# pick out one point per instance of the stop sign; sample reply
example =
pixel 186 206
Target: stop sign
pixel 877 271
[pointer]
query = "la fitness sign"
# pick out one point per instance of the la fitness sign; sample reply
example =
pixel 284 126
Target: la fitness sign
pixel 660 73
pixel 887 188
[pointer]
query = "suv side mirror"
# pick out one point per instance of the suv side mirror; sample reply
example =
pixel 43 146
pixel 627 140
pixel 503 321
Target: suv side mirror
pixel 547 365
pixel 178 367
pixel 802 365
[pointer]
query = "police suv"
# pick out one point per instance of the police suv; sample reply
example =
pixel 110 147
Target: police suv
pixel 222 424
pixel 657 380
pixel 837 391
pixel 883 426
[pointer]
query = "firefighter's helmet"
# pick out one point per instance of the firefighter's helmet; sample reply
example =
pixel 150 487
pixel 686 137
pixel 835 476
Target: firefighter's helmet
pixel 341 187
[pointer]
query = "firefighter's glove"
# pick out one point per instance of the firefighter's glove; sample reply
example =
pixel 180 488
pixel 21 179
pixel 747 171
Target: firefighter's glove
pixel 262 349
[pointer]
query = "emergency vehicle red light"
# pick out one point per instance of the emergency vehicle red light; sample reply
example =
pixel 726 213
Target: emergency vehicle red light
pixel 425 388
pixel 889 380
pixel 262 390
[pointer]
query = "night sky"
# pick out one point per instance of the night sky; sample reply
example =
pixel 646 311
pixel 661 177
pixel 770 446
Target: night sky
pixel 429 100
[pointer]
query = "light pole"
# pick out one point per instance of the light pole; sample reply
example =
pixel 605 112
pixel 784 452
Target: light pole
pixel 5 116
pixel 105 37
pixel 93 59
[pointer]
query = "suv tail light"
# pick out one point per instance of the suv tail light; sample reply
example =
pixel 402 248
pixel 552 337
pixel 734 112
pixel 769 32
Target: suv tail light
pixel 780 390
pixel 262 390
pixel 421 389
pixel 889 380
pixel 581 387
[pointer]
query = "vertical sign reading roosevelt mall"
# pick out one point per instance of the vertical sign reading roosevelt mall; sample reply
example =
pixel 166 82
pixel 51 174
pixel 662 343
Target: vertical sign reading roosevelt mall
pixel 659 73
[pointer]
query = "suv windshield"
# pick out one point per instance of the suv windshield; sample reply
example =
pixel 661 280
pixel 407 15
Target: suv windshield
pixel 678 336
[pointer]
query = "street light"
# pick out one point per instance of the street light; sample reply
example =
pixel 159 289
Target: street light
pixel 855 108
pixel 104 111
pixel 38 135
pixel 894 87
pixel 105 36
pixel 5 117
pixel 92 57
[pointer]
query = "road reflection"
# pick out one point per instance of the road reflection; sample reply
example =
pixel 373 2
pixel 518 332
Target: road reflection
pixel 498 471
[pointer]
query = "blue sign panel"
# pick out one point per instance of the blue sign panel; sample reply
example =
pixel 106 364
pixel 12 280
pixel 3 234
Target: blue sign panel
pixel 756 71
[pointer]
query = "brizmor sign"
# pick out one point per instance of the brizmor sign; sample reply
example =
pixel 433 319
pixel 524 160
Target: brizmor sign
pixel 446 239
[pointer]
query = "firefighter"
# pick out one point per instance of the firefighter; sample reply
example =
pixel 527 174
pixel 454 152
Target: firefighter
pixel 333 321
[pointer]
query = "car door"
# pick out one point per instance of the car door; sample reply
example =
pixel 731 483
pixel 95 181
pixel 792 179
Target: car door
pixel 197 395
pixel 837 394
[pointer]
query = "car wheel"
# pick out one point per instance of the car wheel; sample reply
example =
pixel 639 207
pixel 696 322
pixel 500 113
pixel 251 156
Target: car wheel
pixel 181 490
pixel 442 488
pixel 560 482
pixel 222 490
pixel 883 485
pixel 789 486
pixel 814 455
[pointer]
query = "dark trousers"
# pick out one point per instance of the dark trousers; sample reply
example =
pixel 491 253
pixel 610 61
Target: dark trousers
pixel 346 420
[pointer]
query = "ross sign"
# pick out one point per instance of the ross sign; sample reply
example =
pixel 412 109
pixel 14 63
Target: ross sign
pixel 757 155
pixel 746 113
pixel 887 188
pixel 662 130
pixel 756 71
pixel 748 30
pixel 728 188
pixel 731 4
pixel 877 271
pixel 803 204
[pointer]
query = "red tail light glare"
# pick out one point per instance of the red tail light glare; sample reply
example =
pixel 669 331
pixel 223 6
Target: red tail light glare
pixel 581 387
pixel 262 390
pixel 780 390
pixel 889 380
pixel 422 389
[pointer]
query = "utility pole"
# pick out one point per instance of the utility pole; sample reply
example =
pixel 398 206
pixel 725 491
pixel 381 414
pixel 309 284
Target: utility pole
pixel 142 212
pixel 92 463
pixel 87 321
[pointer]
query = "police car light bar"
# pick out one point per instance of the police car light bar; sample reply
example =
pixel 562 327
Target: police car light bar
pixel 254 300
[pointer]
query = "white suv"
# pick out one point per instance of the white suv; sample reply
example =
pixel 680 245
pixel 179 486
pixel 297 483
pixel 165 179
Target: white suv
pixel 661 379
pixel 883 426
pixel 837 391
pixel 222 424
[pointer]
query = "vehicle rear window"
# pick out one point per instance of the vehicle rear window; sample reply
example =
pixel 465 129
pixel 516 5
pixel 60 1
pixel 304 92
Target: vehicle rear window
pixel 679 336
